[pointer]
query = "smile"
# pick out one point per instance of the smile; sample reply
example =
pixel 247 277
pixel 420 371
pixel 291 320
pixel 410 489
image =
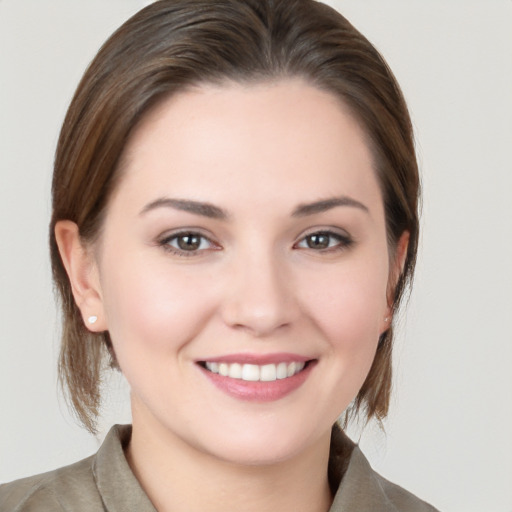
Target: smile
pixel 258 378
pixel 254 372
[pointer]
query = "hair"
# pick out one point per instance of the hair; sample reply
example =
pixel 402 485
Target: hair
pixel 175 44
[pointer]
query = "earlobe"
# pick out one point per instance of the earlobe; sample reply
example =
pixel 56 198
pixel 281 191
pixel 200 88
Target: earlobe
pixel 82 271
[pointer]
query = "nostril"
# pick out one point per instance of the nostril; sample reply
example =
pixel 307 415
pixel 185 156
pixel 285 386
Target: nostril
pixel 258 298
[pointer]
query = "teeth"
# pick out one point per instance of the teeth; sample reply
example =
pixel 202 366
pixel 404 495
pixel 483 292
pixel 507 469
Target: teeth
pixel 291 369
pixel 254 372
pixel 282 371
pixel 268 373
pixel 250 372
pixel 235 371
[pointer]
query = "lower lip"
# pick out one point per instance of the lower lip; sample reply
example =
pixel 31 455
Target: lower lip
pixel 259 391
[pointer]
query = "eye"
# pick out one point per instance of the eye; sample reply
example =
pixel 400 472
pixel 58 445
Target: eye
pixel 187 243
pixel 324 241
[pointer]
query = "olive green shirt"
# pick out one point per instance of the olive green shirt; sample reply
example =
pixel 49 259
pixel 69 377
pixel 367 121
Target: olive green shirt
pixel 104 482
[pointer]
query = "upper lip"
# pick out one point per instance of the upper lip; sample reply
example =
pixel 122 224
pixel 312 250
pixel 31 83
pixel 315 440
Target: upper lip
pixel 259 359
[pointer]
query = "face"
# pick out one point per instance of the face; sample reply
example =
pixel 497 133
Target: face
pixel 243 268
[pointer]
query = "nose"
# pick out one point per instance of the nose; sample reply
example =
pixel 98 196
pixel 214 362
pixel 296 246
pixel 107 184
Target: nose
pixel 260 298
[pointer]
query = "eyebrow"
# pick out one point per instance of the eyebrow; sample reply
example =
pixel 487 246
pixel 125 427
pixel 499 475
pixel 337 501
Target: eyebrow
pixel 214 212
pixel 327 204
pixel 187 205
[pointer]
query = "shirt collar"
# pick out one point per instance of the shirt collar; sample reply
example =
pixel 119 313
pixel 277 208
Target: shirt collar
pixel 119 489
pixel 356 485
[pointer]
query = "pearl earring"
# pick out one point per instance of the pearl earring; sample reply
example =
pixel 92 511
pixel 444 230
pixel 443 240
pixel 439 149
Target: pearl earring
pixel 92 319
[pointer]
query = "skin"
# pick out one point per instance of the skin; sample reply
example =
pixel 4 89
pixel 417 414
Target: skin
pixel 255 285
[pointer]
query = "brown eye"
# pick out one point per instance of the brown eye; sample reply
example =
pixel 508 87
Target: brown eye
pixel 189 242
pixel 318 241
pixel 325 241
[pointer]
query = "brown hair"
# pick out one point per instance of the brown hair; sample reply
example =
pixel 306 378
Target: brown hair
pixel 173 44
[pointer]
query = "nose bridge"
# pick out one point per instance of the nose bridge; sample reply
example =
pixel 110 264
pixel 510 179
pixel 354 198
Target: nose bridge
pixel 259 297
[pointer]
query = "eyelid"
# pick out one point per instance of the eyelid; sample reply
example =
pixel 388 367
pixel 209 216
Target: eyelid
pixel 165 239
pixel 344 238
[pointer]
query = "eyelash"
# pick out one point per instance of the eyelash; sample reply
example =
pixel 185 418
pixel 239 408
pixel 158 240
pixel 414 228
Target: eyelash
pixel 165 243
pixel 342 242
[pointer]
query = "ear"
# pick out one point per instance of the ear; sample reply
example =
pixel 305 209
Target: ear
pixel 82 270
pixel 396 269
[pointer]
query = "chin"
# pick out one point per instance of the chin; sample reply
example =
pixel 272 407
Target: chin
pixel 260 446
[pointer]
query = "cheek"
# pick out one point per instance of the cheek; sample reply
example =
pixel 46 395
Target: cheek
pixel 348 305
pixel 151 308
pixel 348 308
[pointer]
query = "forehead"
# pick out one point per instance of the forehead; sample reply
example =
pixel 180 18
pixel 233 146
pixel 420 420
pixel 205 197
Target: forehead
pixel 284 137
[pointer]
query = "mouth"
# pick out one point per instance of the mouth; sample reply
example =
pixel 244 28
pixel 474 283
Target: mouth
pixel 254 372
pixel 258 377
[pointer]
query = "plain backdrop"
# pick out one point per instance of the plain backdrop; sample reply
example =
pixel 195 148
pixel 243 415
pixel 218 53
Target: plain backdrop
pixel 449 434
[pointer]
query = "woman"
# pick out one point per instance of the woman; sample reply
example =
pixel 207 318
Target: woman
pixel 234 222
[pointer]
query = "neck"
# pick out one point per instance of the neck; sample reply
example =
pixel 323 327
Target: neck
pixel 178 478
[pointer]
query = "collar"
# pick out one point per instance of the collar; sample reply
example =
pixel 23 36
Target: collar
pixel 117 485
pixel 361 488
pixel 355 484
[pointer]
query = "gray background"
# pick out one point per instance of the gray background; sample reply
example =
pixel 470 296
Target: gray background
pixel 448 438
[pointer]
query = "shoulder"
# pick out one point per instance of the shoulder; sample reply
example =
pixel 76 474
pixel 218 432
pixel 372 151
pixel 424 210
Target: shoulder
pixel 402 499
pixel 101 482
pixel 70 487
pixel 373 492
pixel 358 487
